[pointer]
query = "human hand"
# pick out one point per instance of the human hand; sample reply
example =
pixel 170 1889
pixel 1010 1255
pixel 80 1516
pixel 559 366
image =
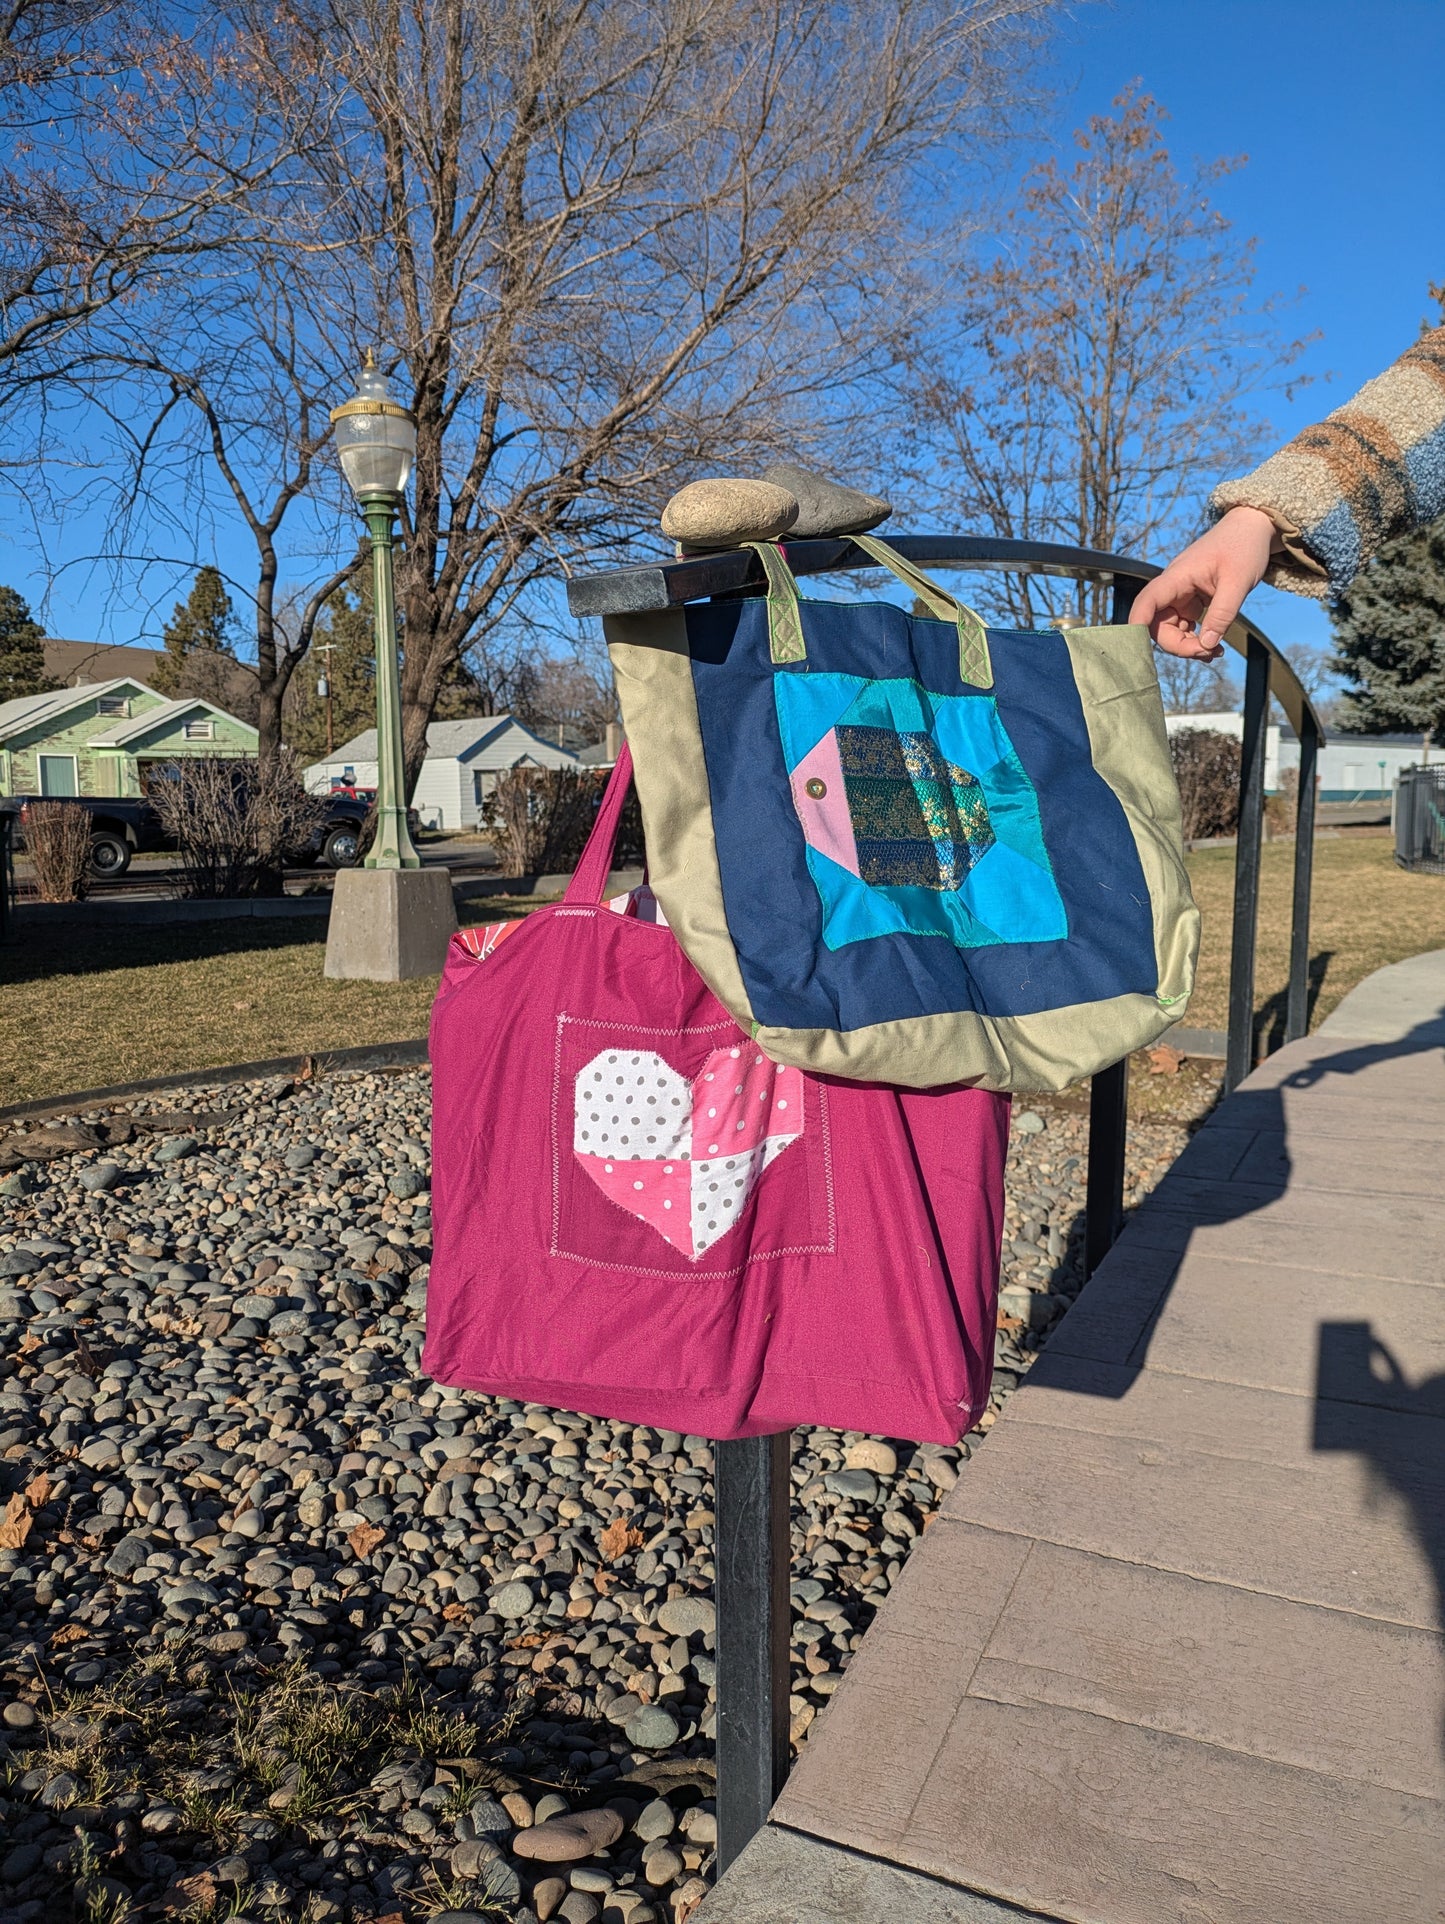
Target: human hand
pixel 1207 584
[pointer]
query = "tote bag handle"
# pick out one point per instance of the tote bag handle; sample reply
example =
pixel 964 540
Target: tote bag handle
pixel 589 878
pixel 785 622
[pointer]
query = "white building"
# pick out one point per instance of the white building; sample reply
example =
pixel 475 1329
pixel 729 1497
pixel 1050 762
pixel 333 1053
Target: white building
pixel 1350 768
pixel 463 759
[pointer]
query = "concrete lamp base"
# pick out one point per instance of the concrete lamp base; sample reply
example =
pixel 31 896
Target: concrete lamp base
pixel 389 924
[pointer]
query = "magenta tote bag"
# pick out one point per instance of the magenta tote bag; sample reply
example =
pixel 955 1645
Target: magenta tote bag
pixel 638 1215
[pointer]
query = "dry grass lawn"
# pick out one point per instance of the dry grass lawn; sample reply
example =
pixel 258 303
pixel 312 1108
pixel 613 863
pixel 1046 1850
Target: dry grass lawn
pixel 1365 912
pixel 86 1009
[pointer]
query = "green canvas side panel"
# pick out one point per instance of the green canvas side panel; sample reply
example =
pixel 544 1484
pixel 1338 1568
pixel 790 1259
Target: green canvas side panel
pixel 653 670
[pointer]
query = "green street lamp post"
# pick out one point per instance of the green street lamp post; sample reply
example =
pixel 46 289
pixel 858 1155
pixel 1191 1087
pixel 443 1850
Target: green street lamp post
pixel 391 919
pixel 376 440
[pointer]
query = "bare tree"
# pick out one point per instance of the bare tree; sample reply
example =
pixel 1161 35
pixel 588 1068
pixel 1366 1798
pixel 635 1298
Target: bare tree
pixel 123 164
pixel 602 242
pixel 1103 368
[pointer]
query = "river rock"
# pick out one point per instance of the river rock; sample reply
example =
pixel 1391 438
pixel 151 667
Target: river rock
pixel 567 1840
pixel 721 512
pixel 826 507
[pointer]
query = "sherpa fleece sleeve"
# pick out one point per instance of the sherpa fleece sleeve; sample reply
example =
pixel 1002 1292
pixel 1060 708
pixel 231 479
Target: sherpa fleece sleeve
pixel 1372 469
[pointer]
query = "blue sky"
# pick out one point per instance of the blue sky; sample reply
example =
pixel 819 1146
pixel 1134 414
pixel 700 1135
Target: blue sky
pixel 1338 105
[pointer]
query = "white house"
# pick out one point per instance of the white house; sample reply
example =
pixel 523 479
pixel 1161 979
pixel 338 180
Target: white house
pixel 1349 768
pixel 463 759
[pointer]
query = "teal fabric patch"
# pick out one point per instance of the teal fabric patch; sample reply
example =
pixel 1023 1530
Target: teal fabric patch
pixel 942 836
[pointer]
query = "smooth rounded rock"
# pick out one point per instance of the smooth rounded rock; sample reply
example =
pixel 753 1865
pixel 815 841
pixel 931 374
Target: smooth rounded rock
pixel 512 1600
pixel 681 1616
pixel 652 1728
pixel 826 507
pixel 18 1716
pixel 567 1840
pixel 724 510
pixel 97 1176
pixel 1030 1123
pixel 871 1454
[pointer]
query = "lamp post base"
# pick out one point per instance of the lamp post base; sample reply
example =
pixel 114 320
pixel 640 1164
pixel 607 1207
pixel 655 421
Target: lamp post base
pixel 388 924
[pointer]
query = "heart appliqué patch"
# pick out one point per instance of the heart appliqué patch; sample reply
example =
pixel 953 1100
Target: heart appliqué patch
pixel 684 1157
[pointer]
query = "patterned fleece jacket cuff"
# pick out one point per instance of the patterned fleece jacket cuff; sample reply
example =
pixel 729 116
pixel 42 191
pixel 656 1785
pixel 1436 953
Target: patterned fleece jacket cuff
pixel 1292 566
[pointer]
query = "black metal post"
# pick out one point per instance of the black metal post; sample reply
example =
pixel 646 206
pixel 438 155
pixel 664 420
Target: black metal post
pixel 1108 1134
pixel 1108 1094
pixel 1297 1006
pixel 752 1554
pixel 1246 866
pixel 7 873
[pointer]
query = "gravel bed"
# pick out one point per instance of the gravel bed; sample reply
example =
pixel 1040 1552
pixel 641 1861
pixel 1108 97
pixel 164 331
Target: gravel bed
pixel 288 1632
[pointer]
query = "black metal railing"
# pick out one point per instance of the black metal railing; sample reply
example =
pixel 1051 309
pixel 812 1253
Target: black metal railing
pixel 1420 820
pixel 7 873
pixel 752 1505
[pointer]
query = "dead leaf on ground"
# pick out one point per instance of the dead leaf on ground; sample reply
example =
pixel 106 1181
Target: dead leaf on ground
pixel 618 1538
pixel 68 1633
pixel 1164 1061
pixel 29 1343
pixel 16 1522
pixel 365 1537
pixel 455 1612
pixel 37 1492
pixel 188 1896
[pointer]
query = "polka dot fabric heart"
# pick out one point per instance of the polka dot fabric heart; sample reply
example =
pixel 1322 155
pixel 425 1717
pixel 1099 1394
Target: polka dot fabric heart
pixel 683 1157
pixel 639 1214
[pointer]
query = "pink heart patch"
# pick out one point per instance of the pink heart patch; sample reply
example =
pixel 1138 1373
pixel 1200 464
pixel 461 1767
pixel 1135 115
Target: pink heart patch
pixel 683 1157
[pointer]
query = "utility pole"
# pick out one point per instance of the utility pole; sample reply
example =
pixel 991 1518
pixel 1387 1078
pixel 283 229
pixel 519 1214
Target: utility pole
pixel 323 688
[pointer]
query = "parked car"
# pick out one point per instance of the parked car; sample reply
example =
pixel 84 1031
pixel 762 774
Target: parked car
pixel 128 826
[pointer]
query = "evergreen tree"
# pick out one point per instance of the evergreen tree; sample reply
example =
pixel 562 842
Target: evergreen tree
pixel 343 649
pixel 1390 637
pixel 197 641
pixel 22 650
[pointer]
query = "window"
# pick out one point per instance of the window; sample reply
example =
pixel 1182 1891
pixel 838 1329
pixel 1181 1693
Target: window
pixel 58 775
pixel 113 705
pixel 201 731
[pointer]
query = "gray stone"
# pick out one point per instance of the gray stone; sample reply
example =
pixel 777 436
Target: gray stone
pixel 826 507
pixel 18 1716
pixel 662 1866
pixel 98 1175
pixel 652 1728
pixel 682 1616
pixel 722 511
pixel 655 1820
pixel 566 1840
pixel 301 1157
pixel 861 1485
pixel 389 925
pixel 1030 1123
pixel 512 1600
pixel 174 1148
pixel 871 1453
pixel 406 1183
pixel 19 1262
pixel 580 1907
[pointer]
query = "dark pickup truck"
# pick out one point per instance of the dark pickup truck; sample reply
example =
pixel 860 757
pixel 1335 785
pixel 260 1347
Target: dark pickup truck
pixel 123 827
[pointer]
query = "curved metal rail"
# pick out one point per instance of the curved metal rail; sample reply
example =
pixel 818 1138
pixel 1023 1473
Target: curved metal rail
pixel 752 1476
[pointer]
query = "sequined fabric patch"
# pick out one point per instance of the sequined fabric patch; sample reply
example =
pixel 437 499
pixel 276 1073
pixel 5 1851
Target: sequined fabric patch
pixel 918 819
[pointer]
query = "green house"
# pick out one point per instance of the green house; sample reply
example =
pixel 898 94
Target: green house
pixel 104 738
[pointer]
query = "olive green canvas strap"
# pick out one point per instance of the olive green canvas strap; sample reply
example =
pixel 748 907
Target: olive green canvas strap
pixel 785 620
pixel 974 663
pixel 785 616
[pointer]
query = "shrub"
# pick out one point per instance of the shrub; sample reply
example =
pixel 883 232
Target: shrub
pixel 539 819
pixel 1206 767
pixel 57 837
pixel 235 824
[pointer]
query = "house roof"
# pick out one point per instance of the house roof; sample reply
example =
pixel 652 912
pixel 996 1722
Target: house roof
pixel 77 663
pixel 26 710
pixel 131 726
pixel 482 741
